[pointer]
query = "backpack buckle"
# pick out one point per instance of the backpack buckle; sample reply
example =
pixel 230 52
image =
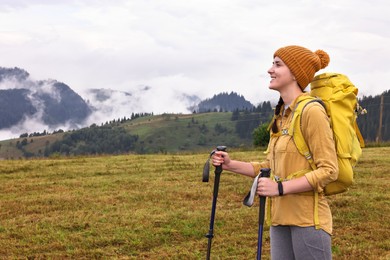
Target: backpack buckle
pixel 308 155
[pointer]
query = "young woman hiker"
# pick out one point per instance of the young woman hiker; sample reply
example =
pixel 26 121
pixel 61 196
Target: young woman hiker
pixel 297 204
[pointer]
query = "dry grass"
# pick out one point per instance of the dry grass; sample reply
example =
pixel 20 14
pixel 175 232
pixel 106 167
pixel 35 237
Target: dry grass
pixel 156 207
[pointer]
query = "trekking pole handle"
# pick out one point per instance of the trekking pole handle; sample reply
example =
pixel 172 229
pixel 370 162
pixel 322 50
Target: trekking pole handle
pixel 206 167
pixel 264 172
pixel 218 169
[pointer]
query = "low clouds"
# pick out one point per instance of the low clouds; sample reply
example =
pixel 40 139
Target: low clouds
pixel 111 104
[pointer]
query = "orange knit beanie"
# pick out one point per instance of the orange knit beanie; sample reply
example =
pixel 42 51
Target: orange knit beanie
pixel 302 62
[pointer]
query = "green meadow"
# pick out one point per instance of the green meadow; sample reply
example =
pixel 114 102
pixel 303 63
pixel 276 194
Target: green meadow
pixel 157 207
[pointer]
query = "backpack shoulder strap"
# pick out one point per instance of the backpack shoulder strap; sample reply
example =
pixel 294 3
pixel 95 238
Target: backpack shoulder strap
pixel 295 129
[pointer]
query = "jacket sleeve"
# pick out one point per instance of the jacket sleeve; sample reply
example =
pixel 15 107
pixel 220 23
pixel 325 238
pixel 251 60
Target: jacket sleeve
pixel 259 165
pixel 319 138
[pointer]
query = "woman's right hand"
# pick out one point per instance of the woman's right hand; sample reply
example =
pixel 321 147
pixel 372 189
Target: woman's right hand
pixel 223 159
pixel 220 158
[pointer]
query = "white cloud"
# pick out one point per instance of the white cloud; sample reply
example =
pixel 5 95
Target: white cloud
pixel 204 47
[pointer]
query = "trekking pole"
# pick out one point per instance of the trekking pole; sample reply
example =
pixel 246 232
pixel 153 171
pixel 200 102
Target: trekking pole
pixel 265 172
pixel 218 171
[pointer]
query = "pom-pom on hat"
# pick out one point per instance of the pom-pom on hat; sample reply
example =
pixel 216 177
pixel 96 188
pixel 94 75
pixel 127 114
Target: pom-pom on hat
pixel 302 62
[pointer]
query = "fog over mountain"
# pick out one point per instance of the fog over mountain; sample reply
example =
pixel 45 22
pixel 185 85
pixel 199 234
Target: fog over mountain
pixel 29 105
pixel 108 104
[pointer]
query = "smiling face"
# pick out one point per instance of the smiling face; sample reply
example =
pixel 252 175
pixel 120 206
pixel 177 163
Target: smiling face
pixel 281 76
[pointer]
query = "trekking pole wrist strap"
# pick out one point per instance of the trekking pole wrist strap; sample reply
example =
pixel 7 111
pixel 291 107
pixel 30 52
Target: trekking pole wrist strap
pixel 280 188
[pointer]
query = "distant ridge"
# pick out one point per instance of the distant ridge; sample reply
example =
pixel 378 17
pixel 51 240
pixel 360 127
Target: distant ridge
pixel 225 102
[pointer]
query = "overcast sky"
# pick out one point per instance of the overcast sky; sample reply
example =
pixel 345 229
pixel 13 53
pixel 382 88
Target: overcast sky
pixel 200 47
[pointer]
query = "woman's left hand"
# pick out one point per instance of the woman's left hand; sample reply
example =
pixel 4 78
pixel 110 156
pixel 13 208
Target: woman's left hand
pixel 267 187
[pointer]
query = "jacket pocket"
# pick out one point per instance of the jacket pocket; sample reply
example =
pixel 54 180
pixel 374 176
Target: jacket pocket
pixel 285 144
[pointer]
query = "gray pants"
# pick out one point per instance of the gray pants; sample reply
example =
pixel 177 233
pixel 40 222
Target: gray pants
pixel 299 243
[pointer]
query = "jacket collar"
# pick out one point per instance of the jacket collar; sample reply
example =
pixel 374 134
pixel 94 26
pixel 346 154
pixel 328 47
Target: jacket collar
pixel 293 104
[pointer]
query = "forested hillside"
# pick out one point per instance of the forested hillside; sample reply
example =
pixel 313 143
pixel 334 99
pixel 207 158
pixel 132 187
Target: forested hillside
pixel 224 102
pixel 146 133
pixel 375 125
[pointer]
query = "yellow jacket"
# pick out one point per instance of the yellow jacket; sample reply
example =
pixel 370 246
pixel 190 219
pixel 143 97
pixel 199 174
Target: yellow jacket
pixel 284 159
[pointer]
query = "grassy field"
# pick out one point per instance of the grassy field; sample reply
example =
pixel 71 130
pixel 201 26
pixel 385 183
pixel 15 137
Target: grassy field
pixel 156 207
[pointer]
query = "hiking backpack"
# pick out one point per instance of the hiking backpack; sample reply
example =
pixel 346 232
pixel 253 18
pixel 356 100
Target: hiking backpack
pixel 339 97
